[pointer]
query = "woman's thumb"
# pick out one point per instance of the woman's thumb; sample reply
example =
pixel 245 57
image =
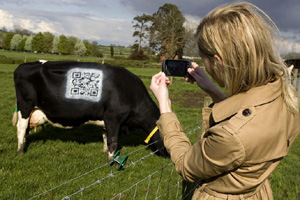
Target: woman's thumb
pixel 163 78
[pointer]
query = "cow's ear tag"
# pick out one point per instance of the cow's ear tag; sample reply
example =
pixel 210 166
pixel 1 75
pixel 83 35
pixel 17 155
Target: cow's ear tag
pixel 119 160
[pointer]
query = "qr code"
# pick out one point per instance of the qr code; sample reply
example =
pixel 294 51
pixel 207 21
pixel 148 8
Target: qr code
pixel 84 84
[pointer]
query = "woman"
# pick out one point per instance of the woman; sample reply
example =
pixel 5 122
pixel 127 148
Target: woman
pixel 250 131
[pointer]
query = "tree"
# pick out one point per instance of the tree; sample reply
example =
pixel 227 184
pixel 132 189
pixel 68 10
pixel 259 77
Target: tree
pixel 22 43
pixel 55 45
pixel 71 44
pixel 2 38
pixel 190 48
pixel 62 45
pixel 47 42
pixel 95 49
pixel 17 29
pixel 111 50
pixel 88 46
pixel 7 40
pixel 138 55
pixel 28 44
pixel 80 48
pixel 14 43
pixel 1 43
pixel 4 29
pixel 168 32
pixel 38 43
pixel 141 28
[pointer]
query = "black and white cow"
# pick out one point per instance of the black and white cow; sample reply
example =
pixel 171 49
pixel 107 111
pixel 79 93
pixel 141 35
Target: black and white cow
pixel 68 94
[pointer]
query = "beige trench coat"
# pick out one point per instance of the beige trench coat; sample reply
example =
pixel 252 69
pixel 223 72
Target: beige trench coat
pixel 246 137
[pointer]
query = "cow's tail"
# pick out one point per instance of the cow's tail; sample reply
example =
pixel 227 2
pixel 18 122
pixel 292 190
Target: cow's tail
pixel 15 117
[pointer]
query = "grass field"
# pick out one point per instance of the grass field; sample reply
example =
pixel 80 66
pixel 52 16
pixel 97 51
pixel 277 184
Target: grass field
pixel 56 156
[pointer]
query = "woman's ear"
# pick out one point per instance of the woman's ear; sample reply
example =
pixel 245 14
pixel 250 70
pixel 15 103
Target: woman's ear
pixel 218 58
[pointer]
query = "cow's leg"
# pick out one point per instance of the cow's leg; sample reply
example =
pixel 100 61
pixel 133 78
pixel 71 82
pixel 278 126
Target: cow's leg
pixel 21 132
pixel 105 147
pixel 104 135
pixel 113 129
pixel 112 144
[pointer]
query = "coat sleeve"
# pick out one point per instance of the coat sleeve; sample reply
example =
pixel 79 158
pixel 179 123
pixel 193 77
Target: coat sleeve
pixel 216 153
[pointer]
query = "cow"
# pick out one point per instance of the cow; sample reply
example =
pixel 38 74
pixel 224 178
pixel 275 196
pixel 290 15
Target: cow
pixel 68 94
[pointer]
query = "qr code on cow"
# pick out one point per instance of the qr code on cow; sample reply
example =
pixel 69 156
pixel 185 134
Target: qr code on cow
pixel 84 84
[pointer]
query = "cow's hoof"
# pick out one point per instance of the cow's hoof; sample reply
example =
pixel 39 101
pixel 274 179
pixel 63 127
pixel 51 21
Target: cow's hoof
pixel 111 155
pixel 20 152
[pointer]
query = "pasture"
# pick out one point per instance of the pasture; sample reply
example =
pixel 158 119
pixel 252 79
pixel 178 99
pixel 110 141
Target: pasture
pixel 61 163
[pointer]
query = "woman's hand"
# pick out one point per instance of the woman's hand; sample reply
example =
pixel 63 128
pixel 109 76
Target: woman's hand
pixel 204 82
pixel 159 83
pixel 199 75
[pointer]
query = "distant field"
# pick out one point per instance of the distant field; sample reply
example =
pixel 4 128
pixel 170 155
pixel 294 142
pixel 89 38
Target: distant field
pixel 57 156
pixel 118 50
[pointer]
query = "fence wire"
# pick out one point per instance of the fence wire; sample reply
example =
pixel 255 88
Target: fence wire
pixel 171 186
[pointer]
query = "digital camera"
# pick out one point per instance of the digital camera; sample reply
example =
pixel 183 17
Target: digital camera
pixel 176 67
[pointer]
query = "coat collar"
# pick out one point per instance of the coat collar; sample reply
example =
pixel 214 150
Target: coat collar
pixel 253 97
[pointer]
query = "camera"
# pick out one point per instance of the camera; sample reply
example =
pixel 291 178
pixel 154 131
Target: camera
pixel 176 67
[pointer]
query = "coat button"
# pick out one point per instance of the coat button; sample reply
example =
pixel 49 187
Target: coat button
pixel 246 112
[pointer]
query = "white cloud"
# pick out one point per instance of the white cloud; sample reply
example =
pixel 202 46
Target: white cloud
pixel 286 46
pixel 8 20
pixel 116 31
pixel 193 20
pixel 104 21
pixel 84 26
pixel 289 42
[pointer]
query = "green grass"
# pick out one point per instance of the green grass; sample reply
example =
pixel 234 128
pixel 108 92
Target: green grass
pixel 54 156
pixel 285 181
pixel 30 57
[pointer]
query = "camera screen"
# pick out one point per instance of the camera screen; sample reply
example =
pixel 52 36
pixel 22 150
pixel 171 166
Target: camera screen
pixel 177 67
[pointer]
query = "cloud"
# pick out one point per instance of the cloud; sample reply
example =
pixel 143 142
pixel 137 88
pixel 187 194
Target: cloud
pixel 89 3
pixel 109 31
pixel 18 2
pixel 110 21
pixel 285 46
pixel 290 42
pixel 8 20
pixel 83 25
pixel 285 14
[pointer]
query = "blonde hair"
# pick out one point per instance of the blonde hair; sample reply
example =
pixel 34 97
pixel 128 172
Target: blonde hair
pixel 242 35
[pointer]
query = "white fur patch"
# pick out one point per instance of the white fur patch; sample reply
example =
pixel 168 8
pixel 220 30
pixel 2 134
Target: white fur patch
pixel 43 61
pixel 111 155
pixel 105 147
pixel 21 131
pixel 83 83
pixel 38 117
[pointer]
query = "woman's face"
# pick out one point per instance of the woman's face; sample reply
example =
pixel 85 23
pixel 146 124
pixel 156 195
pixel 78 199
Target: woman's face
pixel 207 66
pixel 211 72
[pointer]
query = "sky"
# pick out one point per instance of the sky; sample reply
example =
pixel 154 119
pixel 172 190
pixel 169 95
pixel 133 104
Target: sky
pixel 110 21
